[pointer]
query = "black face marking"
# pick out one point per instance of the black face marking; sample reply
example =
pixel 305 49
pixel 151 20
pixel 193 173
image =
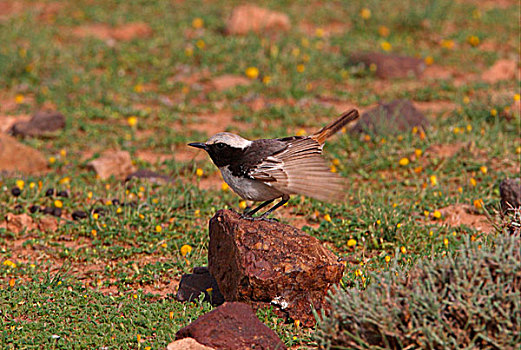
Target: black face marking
pixel 241 160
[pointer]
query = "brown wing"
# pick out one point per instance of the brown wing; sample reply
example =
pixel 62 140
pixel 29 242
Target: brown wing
pixel 300 169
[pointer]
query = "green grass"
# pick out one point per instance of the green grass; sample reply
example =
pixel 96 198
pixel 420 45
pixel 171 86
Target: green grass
pixel 103 289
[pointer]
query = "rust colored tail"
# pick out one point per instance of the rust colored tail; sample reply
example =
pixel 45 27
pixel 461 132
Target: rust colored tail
pixel 327 131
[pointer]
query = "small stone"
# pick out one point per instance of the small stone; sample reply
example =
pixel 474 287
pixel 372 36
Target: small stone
pixel 17 157
pixel 57 212
pixel 294 273
pixel 246 18
pixel 34 208
pixel 48 211
pixel 389 118
pixel 63 194
pixel 78 215
pixel 231 326
pixel 15 191
pixel 113 163
pixel 49 192
pixel 199 281
pixel 510 192
pixel 43 123
pixel 390 66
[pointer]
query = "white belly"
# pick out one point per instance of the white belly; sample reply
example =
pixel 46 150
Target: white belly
pixel 249 189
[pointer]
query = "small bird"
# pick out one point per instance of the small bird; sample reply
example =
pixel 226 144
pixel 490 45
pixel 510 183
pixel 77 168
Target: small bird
pixel 267 169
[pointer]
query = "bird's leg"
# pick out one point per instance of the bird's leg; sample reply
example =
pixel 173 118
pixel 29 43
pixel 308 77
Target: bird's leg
pixel 284 200
pixel 249 213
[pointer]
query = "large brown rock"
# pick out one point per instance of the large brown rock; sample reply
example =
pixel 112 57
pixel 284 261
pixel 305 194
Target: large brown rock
pixel 231 326
pixel 246 18
pixel 388 118
pixel 43 123
pixel 510 191
pixel 264 262
pixel 113 163
pixel 390 66
pixel 187 344
pixel 17 157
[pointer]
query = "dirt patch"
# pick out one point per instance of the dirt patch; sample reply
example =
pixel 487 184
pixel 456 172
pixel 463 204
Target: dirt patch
pixel 464 214
pixel 105 32
pixel 503 69
pixel 153 157
pixel 446 150
pixel 213 123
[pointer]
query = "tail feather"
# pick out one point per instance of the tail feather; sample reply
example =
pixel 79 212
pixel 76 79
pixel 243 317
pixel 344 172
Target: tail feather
pixel 327 131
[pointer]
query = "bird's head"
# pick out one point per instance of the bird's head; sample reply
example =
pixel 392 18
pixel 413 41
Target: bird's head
pixel 223 147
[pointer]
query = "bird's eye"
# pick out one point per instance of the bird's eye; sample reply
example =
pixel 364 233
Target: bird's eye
pixel 220 145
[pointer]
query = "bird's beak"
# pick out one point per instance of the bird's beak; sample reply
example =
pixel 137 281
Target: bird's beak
pixel 199 145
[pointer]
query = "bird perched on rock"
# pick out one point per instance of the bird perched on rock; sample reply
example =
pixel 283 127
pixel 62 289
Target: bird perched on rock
pixel 267 169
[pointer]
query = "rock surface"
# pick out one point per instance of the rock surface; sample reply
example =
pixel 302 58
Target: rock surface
pixel 510 192
pixel 392 117
pixel 246 18
pixel 264 262
pixel 117 163
pixel 390 66
pixel 17 157
pixel 199 281
pixel 187 344
pixel 43 123
pixel 231 326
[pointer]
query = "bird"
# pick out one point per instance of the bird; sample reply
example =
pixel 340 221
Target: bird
pixel 266 169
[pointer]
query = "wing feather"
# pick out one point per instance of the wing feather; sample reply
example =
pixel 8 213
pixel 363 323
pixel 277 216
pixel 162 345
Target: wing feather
pixel 300 169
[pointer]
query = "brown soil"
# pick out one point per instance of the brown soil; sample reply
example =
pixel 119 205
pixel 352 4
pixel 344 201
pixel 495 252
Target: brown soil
pixel 463 214
pixel 124 32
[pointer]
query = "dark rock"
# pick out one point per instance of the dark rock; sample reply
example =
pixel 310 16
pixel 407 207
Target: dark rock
pixel 42 123
pixel 510 192
pixel 148 175
pixel 63 194
pixel 116 202
pixel 49 192
pixel 57 212
pixel 78 215
pixel 15 191
pixel 15 156
pixel 389 66
pixel 388 118
pixel 19 208
pixel 231 326
pixel 199 281
pixel 264 262
pixel 48 211
pixel 34 208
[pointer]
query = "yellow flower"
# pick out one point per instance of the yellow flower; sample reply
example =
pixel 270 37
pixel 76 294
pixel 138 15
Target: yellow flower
pixel 95 216
pixel 517 97
pixel 418 169
pixel 20 184
pixel 478 203
pixel 351 242
pixel 138 88
pixel 446 241
pixel 429 60
pixel 132 121
pixel 418 152
pixel 266 79
pixel 199 172
pixel 32 185
pixel 398 225
pixel 197 213
pixel 119 210
pixel 473 181
pixel 197 23
pixel 395 205
pixel 426 213
pixel 19 99
pixel 365 13
pixel 224 186
pixel 301 132
pixel 185 250
pixel 9 263
pixel 297 323
pixel 94 233
pixel 63 152
pixel 332 168
pixel 252 72
pixel 493 112
pixel 189 51
pixel 305 42
pixel 200 44
pixel 12 282
pixel 58 203
pixel 383 31
pixel 404 161
pixel 319 32
pixel 327 217
pixel 64 180
pixel 436 214
pixel 473 40
pixel 447 44
pixel 403 249
pixel 483 169
pixel 469 127
pixel 358 273
pixel 378 222
pixel 431 233
pixel 434 180
pixel 243 205
pixel 300 68
pixel 387 258
pixel 159 228
pixel 386 46
pixel 171 315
